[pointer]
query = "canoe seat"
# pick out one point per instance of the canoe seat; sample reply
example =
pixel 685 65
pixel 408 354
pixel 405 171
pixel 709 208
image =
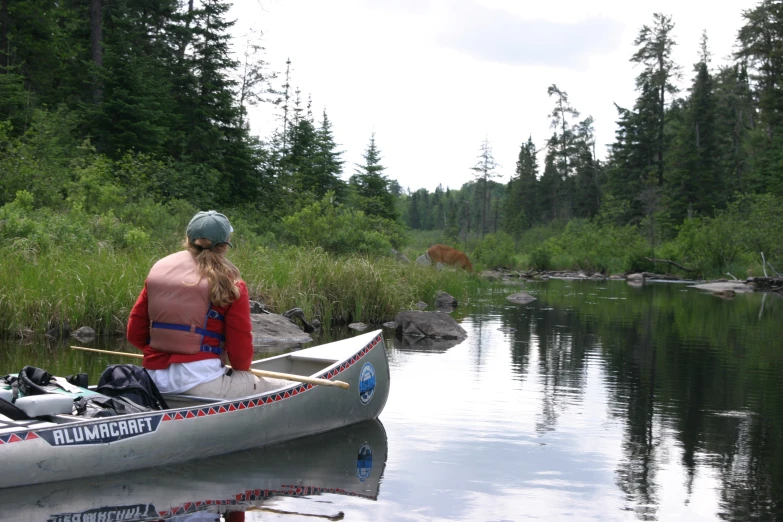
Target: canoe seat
pixel 305 365
pixel 326 360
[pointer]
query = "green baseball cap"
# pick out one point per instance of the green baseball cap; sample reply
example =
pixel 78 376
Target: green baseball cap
pixel 210 225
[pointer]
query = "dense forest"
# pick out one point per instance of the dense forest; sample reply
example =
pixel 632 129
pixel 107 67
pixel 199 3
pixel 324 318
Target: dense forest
pixel 695 174
pixel 119 118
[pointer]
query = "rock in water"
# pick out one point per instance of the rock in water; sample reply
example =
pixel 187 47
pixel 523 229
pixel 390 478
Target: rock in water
pixel 521 298
pixel 444 300
pixel 83 333
pixel 429 324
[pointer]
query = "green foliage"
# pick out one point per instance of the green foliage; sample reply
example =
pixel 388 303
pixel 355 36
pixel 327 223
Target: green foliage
pixel 750 225
pixel 116 151
pixel 540 259
pixel 99 289
pixel 495 250
pixel 342 288
pixel 339 229
pixel 370 187
pixel 136 238
pixel 638 261
pixel 38 160
pixel 600 249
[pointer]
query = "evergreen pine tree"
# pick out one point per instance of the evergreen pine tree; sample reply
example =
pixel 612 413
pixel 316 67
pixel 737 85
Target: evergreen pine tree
pixel 761 48
pixel 413 212
pixel 551 185
pixel 694 179
pixel 484 170
pixel 736 120
pixel 371 186
pixel 564 141
pixel 586 197
pixel 521 202
pixel 328 166
pixel 654 52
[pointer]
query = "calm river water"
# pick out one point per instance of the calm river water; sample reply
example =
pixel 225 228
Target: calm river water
pixel 597 401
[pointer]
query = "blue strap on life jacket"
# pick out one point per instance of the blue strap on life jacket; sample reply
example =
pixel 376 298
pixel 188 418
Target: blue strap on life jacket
pixel 203 332
pixel 186 328
pixel 214 314
pixel 217 350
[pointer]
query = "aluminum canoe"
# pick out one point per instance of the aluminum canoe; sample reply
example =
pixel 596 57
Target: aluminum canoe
pixel 63 447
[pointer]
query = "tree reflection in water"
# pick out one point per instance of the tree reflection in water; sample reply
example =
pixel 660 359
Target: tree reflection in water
pixel 684 370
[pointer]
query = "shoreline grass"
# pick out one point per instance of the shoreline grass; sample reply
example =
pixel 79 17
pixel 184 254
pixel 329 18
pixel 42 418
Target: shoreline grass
pixel 97 288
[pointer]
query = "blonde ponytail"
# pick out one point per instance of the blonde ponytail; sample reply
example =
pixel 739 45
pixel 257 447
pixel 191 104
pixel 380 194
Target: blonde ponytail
pixel 221 273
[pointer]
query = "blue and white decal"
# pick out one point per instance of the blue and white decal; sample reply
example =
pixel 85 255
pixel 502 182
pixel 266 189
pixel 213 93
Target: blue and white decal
pixel 364 462
pixel 108 514
pixel 101 433
pixel 366 383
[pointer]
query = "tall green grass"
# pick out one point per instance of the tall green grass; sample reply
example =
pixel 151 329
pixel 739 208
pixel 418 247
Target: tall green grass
pixel 97 288
pixel 344 288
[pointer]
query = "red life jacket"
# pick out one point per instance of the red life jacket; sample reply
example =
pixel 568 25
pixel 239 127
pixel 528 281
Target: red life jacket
pixel 178 305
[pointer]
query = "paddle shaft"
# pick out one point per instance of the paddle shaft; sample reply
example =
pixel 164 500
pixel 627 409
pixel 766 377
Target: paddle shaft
pixel 260 373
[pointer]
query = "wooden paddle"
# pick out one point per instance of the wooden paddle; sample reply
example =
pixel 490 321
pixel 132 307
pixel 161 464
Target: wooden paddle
pixel 260 373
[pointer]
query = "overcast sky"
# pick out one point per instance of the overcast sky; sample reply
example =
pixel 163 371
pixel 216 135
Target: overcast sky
pixel 433 78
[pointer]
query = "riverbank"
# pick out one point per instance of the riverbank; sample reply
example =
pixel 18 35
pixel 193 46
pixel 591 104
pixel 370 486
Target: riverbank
pixel 722 286
pixel 66 289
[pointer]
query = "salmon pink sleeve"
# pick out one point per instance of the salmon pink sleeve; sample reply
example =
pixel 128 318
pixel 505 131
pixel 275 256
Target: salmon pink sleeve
pixel 239 333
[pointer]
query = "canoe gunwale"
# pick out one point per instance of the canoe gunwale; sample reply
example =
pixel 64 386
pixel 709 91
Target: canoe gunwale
pixel 328 373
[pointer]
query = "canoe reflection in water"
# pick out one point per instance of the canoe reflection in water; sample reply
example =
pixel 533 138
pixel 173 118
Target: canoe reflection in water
pixel 349 461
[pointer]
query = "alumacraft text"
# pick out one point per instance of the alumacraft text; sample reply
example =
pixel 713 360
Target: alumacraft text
pixel 101 433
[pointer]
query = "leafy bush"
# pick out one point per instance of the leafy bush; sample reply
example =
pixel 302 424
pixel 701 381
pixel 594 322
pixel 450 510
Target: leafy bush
pixel 540 258
pixel 751 224
pixel 636 262
pixel 590 246
pixel 39 160
pixel 495 250
pixel 339 229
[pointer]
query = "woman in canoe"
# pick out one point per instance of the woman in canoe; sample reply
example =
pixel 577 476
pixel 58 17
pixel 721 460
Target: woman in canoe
pixel 193 314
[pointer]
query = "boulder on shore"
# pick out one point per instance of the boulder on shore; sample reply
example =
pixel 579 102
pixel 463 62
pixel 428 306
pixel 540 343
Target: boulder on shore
pixel 722 286
pixel 399 256
pixel 429 324
pixel 423 260
pixel 83 333
pixel 492 275
pixel 275 329
pixel 445 300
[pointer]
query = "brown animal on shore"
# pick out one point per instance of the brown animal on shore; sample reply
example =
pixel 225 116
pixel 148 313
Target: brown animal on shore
pixel 449 256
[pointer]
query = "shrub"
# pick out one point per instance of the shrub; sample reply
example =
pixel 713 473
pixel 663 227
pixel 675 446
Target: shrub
pixel 339 229
pixel 495 250
pixel 540 258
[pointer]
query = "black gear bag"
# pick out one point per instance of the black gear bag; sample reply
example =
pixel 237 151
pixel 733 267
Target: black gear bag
pixel 133 383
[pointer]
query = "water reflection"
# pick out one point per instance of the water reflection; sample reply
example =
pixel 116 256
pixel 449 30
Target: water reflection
pixel 348 462
pixel 596 401
pixel 423 344
pixel 691 377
